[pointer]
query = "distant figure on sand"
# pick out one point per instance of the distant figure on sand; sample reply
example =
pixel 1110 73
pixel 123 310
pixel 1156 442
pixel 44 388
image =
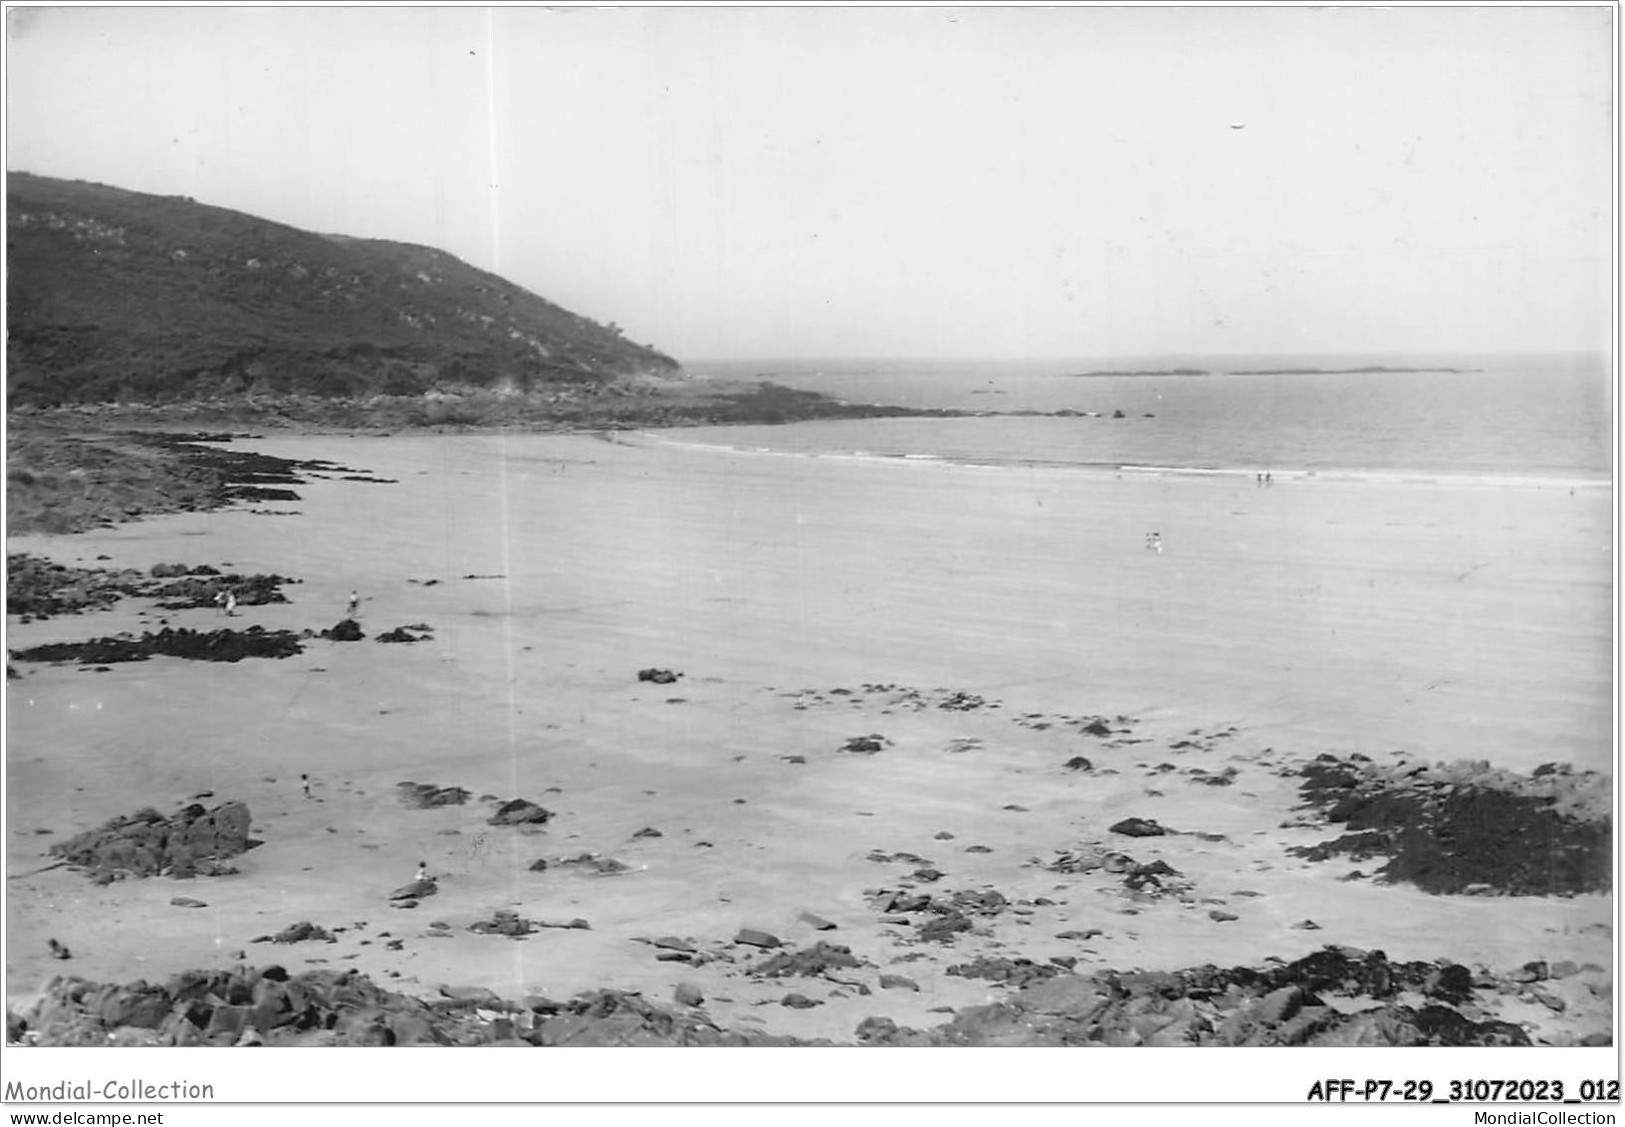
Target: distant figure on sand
pixel 231 603
pixel 355 605
pixel 1153 542
pixel 1269 479
pixel 305 780
pixel 423 870
pixel 220 602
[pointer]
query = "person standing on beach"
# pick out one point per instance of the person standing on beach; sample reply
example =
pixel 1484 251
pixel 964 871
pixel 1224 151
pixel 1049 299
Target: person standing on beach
pixel 354 605
pixel 220 601
pixel 231 604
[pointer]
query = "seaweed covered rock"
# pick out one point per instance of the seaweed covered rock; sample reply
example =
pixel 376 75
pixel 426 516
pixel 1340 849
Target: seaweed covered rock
pixel 1451 828
pixel 1239 1006
pixel 403 634
pixel 809 962
pixel 1337 996
pixel 302 932
pixel 195 591
pixel 194 645
pixel 39 588
pixel 504 921
pixel 191 842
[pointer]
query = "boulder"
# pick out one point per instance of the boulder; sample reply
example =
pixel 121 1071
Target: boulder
pixel 1139 827
pixel 345 630
pixel 754 938
pixel 417 890
pixel 519 811
pixel 146 843
pixel 423 796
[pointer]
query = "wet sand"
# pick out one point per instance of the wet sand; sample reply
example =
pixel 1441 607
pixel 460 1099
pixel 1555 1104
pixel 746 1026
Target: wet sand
pixel 1444 620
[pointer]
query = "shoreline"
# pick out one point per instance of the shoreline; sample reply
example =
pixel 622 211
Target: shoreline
pixel 1334 475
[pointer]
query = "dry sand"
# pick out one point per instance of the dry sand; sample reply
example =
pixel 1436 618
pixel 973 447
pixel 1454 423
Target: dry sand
pixel 1445 619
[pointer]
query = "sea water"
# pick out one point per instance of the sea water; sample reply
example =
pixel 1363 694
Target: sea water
pixel 1515 416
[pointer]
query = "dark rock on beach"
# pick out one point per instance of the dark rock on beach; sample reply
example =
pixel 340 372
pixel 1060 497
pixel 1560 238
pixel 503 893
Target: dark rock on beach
pixel 1466 827
pixel 593 864
pixel 809 962
pixel 1336 997
pixel 194 841
pixel 1006 972
pixel 658 676
pixel 403 634
pixel 301 932
pixel 423 796
pixel 196 591
pixel 1278 1005
pixel 754 938
pixel 415 891
pixel 214 645
pixel 39 588
pixel 345 630
pixel 1138 827
pixel 504 921
pixel 519 812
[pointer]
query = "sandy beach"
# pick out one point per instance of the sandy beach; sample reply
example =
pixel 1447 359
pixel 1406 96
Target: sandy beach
pixel 808 600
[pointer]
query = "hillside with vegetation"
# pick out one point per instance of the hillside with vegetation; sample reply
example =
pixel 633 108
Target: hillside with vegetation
pixel 119 296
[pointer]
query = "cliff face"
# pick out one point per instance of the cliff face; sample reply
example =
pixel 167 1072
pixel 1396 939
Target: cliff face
pixel 117 295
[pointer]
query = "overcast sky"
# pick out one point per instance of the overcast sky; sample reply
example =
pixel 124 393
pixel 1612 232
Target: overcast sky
pixel 729 182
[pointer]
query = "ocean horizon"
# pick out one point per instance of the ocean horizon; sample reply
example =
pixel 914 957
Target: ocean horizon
pixel 1524 415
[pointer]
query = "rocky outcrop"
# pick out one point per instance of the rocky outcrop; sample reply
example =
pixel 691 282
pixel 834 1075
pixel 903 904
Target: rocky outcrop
pixel 1466 827
pixel 423 796
pixel 520 812
pixel 193 645
pixel 193 842
pixel 1336 996
pixel 344 630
